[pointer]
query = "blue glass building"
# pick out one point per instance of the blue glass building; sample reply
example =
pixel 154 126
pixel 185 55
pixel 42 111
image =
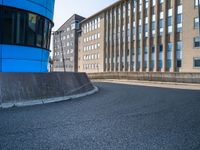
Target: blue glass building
pixel 25 28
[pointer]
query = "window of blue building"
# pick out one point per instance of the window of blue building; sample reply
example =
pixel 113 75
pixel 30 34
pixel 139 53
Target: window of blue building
pixel 24 28
pixel 40 31
pixel 31 29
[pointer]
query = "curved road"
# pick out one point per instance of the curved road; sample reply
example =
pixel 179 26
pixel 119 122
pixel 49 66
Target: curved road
pixel 118 117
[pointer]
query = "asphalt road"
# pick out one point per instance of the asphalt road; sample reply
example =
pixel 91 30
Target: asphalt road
pixel 118 117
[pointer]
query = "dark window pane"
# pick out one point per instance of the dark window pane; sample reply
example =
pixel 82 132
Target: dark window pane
pixel 31 29
pixel 152 65
pixel 46 29
pixel 8 25
pixel 49 36
pixel 24 28
pixel 179 18
pixel 40 23
pixel 169 63
pixel 160 64
pixel 1 15
pixel 197 63
pixel 20 28
pixel 153 49
pixel 161 48
pixel 179 63
pixel 160 23
pixel 169 21
pixel 196 42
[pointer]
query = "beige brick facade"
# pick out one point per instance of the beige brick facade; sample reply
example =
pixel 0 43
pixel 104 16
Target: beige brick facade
pixel 189 32
pixel 142 36
pixel 91 45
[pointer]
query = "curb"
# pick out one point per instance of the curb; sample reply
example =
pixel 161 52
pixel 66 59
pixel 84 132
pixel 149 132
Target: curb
pixel 171 85
pixel 49 100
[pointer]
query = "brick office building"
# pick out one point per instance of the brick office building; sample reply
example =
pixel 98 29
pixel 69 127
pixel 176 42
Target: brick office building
pixel 141 36
pixel 66 39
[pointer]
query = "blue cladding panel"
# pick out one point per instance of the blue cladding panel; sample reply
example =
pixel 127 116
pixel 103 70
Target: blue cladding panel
pixel 45 56
pixel 50 5
pixel 21 52
pixel 39 2
pixel 12 65
pixel 24 59
pixel 44 67
pixel 0 66
pixel 0 59
pixel 49 15
pixel 42 7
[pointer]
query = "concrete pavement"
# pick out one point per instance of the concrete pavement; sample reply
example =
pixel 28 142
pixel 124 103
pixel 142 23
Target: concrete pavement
pixel 118 117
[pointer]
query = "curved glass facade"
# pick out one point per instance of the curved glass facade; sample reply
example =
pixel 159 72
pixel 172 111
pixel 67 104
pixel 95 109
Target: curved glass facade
pixel 25 31
pixel 24 28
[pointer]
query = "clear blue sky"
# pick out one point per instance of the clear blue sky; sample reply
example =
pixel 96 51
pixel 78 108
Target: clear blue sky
pixel 64 9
